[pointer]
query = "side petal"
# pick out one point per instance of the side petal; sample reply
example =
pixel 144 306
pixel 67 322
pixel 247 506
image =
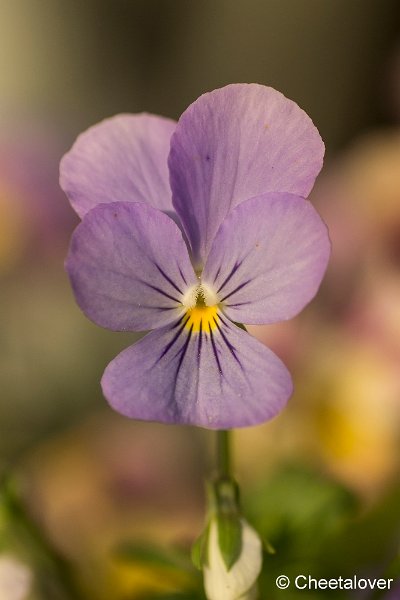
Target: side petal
pixel 121 159
pixel 268 258
pixel 129 267
pixel 235 143
pixel 218 377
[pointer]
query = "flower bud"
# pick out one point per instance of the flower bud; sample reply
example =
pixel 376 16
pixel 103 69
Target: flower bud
pixel 15 578
pixel 238 581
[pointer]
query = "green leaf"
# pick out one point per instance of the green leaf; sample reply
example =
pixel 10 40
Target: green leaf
pixel 199 551
pixel 229 538
pixel 142 552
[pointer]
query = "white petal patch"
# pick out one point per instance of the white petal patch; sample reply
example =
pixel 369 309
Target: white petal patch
pixel 239 581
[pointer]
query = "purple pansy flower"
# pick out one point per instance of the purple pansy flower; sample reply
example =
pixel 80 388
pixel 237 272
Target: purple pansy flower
pixel 188 228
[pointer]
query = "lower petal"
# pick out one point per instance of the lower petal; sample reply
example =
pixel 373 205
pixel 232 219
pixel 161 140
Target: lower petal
pixel 218 377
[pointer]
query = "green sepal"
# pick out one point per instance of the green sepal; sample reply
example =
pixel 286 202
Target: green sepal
pixel 229 538
pixel 267 546
pixel 224 497
pixel 199 553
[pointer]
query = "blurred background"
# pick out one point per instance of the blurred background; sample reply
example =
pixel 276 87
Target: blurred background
pixel 95 506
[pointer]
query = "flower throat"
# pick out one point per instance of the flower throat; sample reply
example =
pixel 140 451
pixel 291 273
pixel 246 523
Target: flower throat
pixel 201 315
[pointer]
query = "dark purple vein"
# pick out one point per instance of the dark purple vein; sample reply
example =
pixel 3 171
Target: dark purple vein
pixel 200 342
pixel 182 275
pixel 176 336
pixel 231 274
pixel 168 278
pixel 214 348
pixel 182 352
pixel 160 291
pixel 239 287
pixel 230 346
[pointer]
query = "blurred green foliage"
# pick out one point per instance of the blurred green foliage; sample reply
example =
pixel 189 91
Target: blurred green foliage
pixel 316 526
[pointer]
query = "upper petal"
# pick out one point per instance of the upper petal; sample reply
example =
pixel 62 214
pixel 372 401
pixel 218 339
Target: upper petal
pixel 218 378
pixel 268 258
pixel 235 143
pixel 123 158
pixel 129 267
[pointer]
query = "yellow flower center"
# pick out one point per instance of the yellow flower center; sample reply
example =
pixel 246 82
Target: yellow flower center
pixel 202 318
pixel 202 312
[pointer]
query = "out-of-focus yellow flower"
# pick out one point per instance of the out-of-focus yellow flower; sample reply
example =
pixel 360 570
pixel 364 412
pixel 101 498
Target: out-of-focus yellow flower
pixel 135 579
pixel 357 414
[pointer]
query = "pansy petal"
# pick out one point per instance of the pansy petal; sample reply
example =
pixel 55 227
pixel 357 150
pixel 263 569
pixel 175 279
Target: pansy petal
pixel 235 143
pixel 129 267
pixel 122 159
pixel 219 379
pixel 268 258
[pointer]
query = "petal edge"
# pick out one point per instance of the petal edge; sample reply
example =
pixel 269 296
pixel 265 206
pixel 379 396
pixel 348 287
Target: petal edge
pixel 129 265
pixel 268 258
pixel 216 382
pixel 120 159
pixel 235 143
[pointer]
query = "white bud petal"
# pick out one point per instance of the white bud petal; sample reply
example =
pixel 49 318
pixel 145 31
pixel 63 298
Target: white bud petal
pixel 15 578
pixel 239 583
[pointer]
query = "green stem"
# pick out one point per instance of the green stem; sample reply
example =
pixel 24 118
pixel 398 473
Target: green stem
pixel 223 455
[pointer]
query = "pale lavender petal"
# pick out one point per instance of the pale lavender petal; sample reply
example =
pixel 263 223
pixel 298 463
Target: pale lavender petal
pixel 122 159
pixel 129 267
pixel 235 143
pixel 268 258
pixel 217 380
